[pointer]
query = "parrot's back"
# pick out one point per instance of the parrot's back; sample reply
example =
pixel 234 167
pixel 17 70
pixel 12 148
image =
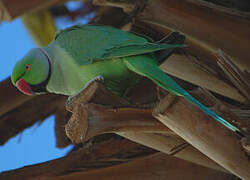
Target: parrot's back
pixel 89 43
pixel 80 53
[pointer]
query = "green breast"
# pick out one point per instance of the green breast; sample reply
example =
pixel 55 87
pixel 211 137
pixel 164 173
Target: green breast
pixel 117 77
pixel 69 78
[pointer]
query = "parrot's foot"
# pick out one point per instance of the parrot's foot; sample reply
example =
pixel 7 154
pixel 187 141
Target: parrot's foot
pixel 97 78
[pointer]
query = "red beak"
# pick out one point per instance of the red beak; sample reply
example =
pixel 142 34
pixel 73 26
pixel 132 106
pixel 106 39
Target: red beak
pixel 23 86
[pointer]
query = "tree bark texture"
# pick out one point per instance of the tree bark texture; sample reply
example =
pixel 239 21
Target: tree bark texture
pixel 203 147
pixel 205 134
pixel 155 167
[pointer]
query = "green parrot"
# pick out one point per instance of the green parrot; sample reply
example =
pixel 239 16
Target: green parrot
pixel 83 53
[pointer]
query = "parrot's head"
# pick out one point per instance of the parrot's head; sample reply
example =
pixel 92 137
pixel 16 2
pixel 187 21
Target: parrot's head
pixel 31 74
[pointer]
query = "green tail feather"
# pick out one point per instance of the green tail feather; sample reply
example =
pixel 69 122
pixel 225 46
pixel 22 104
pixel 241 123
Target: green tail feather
pixel 209 112
pixel 146 66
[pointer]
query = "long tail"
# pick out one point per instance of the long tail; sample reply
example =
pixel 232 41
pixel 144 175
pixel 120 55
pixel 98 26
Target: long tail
pixel 146 66
pixel 206 110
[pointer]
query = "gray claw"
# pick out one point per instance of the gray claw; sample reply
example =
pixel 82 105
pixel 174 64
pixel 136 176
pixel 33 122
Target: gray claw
pixel 98 78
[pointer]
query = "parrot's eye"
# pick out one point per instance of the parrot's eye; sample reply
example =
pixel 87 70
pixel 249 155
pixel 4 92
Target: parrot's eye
pixel 27 67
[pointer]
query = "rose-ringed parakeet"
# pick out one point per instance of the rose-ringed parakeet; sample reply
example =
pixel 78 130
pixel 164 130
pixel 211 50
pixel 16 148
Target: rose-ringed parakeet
pixel 83 53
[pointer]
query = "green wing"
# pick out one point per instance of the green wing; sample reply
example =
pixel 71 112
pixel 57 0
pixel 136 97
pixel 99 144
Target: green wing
pixel 91 43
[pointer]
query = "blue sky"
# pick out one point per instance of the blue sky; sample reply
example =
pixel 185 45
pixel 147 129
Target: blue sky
pixel 15 41
pixel 36 144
